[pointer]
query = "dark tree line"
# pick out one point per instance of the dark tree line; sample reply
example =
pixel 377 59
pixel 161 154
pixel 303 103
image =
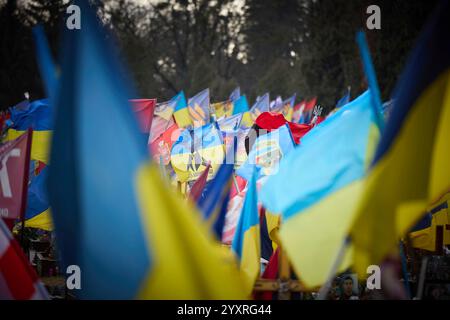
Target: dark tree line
pixel 283 46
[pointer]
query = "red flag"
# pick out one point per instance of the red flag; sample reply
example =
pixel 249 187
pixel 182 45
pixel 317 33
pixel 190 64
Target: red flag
pixel 199 185
pixel 271 273
pixel 271 121
pixel 18 280
pixel 144 108
pixel 14 164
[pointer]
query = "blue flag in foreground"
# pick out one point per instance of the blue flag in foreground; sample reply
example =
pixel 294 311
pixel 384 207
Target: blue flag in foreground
pixel 114 217
pixel 317 188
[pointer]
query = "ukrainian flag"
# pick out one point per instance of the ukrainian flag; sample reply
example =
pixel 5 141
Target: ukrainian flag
pixel 194 149
pixel 37 115
pixel 114 217
pixel 247 240
pixel 198 107
pixel 411 166
pixel 317 188
pixel 424 235
pixel 261 105
pixel 214 202
pixel 240 105
pixel 181 112
pixel 37 214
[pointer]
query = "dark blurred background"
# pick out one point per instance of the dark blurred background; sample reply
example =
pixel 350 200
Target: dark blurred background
pixel 280 46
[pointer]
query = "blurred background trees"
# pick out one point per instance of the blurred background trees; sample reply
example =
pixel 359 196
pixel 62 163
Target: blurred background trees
pixel 280 46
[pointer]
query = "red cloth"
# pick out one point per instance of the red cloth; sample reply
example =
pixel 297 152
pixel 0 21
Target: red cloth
pixel 199 185
pixel 241 182
pixel 143 109
pixel 271 273
pixel 271 121
pixel 20 281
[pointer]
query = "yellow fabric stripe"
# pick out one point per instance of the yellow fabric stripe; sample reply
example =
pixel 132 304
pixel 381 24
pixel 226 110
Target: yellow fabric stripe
pixel 186 262
pixel 41 221
pixel 412 174
pixel 313 238
pixel 182 118
pixel 251 258
pixel 40 144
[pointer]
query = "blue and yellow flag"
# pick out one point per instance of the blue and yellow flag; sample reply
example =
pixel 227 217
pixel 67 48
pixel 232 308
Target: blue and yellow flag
pixel 317 187
pixel 214 201
pixel 198 107
pixel 246 242
pixel 37 214
pixel 181 113
pixel 37 115
pixel 261 105
pixel 194 149
pixel 114 217
pixel 266 153
pixel 240 105
pixel 411 167
pixel 165 110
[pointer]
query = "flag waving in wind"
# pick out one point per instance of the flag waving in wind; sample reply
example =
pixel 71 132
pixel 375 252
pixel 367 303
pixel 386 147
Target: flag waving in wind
pixel 114 217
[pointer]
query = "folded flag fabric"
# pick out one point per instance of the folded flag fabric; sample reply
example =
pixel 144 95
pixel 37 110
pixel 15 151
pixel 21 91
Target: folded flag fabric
pixel 194 149
pixel 246 242
pixel 410 169
pixel 181 112
pixel 240 105
pixel 199 185
pixel 122 231
pixel 160 147
pixel 329 162
pixel 144 109
pixel 37 213
pixel 261 105
pixel 297 111
pixel 270 121
pixel 37 115
pixel 266 153
pixel 222 109
pixel 198 107
pixel 18 280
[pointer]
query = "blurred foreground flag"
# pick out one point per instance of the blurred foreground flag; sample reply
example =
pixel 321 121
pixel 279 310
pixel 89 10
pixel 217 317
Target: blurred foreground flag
pixel 246 242
pixel 317 187
pixel 411 169
pixel 143 109
pixel 130 236
pixel 18 280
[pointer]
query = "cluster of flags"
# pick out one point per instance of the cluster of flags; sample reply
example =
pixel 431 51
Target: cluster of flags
pixel 184 199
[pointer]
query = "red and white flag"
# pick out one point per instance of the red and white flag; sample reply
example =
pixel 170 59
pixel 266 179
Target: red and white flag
pixel 18 280
pixel 14 164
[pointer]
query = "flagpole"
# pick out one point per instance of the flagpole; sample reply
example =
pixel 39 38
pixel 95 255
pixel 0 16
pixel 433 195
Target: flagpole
pixel 25 186
pixel 369 70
